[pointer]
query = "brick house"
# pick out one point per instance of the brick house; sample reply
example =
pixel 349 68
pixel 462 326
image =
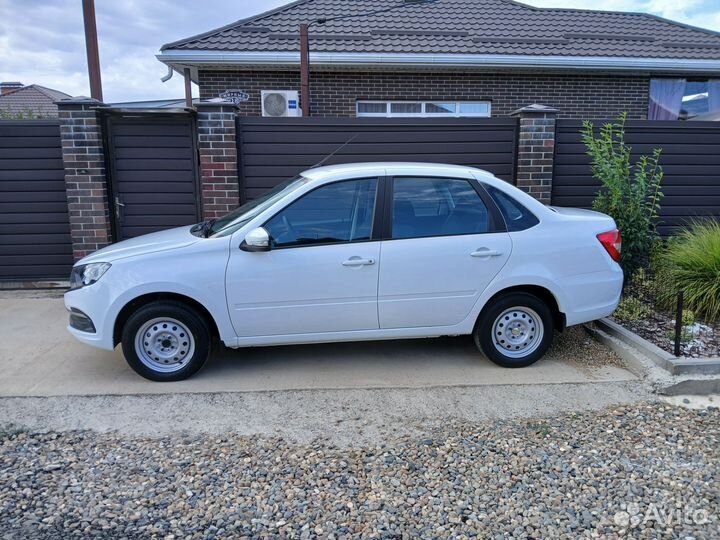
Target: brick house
pixel 460 58
pixel 31 101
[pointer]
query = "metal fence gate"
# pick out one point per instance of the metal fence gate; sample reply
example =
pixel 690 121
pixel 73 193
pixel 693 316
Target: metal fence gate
pixel 34 226
pixel 690 159
pixel 152 171
pixel 271 150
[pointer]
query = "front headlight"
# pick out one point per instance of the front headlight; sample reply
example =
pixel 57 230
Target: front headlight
pixel 87 274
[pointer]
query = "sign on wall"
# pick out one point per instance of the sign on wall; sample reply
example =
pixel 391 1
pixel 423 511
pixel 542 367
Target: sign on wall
pixel 236 96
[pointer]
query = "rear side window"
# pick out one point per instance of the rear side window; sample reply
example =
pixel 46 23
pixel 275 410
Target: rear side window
pixel 516 216
pixel 425 207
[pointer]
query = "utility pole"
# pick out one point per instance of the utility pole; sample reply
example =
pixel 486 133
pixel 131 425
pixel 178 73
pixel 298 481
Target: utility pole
pixel 188 88
pixel 304 70
pixel 305 45
pixel 91 44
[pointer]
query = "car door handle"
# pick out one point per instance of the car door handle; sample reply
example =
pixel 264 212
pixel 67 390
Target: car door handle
pixel 358 261
pixel 485 252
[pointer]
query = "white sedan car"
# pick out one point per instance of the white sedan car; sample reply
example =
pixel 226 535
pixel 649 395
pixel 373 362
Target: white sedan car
pixel 349 253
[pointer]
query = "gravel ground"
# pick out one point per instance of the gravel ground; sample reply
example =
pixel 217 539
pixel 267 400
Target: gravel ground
pixel 621 471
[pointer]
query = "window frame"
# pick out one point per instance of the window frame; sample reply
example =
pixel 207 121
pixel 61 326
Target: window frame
pixel 423 113
pixel 377 214
pixel 496 223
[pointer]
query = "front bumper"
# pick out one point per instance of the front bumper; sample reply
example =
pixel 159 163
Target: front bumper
pixel 93 302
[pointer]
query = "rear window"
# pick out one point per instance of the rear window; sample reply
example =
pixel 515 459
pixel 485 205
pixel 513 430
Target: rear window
pixel 516 216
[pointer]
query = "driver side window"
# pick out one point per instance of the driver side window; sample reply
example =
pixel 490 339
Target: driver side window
pixel 334 213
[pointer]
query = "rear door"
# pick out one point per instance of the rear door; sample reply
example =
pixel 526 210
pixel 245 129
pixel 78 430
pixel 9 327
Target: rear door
pixel 445 243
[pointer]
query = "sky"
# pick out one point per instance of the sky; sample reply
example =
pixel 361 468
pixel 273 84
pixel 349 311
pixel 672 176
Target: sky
pixel 42 41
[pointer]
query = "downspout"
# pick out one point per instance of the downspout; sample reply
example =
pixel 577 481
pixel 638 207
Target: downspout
pixel 169 75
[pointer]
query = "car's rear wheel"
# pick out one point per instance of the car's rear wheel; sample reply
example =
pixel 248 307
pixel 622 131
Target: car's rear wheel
pixel 515 330
pixel 166 341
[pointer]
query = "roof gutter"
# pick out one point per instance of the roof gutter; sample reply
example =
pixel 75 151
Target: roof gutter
pixel 286 58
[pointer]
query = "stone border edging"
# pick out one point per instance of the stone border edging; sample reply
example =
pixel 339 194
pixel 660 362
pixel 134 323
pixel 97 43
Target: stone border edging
pixel 667 361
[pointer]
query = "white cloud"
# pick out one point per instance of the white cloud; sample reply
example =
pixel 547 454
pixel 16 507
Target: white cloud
pixel 41 41
pixel 701 13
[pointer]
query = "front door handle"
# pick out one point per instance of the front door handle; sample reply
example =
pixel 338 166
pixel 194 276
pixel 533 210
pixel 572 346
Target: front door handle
pixel 485 252
pixel 358 261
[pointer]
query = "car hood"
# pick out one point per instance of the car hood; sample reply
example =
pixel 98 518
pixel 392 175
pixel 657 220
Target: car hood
pixel 142 245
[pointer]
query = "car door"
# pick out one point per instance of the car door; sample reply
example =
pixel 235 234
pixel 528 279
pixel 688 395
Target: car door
pixel 321 272
pixel 445 243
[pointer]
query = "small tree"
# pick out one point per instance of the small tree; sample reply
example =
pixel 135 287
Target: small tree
pixel 630 193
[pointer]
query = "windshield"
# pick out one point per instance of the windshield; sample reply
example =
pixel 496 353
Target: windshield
pixel 231 222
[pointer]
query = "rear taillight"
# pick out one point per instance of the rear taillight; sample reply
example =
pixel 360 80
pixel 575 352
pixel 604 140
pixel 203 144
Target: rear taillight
pixel 612 242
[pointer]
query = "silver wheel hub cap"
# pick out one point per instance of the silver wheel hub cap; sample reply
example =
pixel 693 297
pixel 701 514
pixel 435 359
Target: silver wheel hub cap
pixel 517 332
pixel 164 344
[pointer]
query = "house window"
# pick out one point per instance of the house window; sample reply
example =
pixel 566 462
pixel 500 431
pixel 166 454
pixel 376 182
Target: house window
pixel 423 109
pixel 684 99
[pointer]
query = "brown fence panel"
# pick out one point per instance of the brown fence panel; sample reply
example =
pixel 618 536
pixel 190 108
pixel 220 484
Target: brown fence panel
pixel 690 159
pixel 272 150
pixel 34 225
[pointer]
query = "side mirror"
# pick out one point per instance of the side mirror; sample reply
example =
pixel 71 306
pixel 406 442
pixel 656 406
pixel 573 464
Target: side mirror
pixel 256 240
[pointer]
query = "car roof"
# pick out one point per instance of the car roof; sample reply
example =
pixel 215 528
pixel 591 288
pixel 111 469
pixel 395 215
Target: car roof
pixel 331 172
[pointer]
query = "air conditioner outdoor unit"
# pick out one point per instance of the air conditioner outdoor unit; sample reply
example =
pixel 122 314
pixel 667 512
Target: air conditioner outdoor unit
pixel 280 103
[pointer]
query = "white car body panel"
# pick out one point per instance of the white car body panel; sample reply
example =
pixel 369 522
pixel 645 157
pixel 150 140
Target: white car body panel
pixel 443 283
pixel 303 290
pixel 421 287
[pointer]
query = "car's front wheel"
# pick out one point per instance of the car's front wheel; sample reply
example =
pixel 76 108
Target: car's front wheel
pixel 166 341
pixel 515 330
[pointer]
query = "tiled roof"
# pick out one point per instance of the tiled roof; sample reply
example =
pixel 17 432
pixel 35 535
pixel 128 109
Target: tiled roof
pixel 460 27
pixel 36 99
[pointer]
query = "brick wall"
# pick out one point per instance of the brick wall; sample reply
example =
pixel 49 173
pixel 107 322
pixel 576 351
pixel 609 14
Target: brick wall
pixel 218 159
pixel 85 184
pixel 335 93
pixel 535 151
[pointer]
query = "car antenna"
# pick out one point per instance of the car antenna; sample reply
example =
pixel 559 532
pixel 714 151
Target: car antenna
pixel 323 160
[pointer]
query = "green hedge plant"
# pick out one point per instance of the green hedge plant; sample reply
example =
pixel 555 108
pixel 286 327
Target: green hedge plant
pixel 691 263
pixel 630 193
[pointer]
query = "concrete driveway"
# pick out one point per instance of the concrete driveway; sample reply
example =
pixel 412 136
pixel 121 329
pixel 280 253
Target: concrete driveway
pixel 39 358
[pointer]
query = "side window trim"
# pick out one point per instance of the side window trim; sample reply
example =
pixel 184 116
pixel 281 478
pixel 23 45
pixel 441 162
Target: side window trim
pixel 496 222
pixel 377 219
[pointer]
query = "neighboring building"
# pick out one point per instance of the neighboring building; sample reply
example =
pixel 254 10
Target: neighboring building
pixel 460 58
pixel 29 101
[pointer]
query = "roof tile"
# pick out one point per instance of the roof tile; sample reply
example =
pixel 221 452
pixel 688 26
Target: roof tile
pixel 460 27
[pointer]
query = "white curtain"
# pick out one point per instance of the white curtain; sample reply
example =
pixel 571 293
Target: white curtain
pixel 714 95
pixel 665 98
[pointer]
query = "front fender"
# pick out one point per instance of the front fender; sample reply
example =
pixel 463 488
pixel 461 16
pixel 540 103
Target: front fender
pixel 206 298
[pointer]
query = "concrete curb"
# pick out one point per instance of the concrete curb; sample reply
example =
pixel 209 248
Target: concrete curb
pixel 33 285
pixel 648 369
pixel 667 361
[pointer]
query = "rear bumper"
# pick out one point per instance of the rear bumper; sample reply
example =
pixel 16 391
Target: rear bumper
pixel 591 296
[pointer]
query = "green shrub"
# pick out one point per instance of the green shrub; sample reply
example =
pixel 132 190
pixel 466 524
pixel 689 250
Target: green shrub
pixel 691 263
pixel 629 193
pixel 631 309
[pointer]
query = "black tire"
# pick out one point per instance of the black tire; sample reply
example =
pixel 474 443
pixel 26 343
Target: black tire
pixel 484 329
pixel 188 317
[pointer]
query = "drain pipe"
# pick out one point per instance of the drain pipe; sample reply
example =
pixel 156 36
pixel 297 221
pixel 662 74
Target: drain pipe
pixel 169 75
